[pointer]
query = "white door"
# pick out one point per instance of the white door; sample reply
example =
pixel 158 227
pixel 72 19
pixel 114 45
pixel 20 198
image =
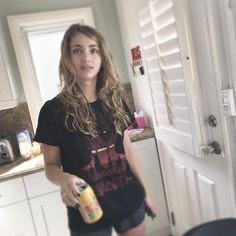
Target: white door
pixel 183 50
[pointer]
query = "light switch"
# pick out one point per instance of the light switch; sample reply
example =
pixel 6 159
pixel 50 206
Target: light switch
pixel 228 101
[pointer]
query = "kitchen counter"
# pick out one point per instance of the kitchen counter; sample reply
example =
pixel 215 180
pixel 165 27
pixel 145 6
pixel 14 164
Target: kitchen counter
pixel 23 167
pixel 147 133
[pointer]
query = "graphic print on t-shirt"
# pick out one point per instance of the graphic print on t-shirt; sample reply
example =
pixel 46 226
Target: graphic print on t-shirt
pixel 107 169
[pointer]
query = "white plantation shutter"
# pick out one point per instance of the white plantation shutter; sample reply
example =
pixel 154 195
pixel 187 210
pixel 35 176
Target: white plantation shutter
pixel 162 57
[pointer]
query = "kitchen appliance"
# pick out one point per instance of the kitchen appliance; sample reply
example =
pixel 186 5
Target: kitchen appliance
pixel 9 150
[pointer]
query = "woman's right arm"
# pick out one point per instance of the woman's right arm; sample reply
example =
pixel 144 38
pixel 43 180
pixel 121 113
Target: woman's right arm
pixel 67 182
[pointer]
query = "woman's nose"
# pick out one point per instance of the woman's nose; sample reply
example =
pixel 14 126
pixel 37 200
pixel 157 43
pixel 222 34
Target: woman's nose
pixel 86 56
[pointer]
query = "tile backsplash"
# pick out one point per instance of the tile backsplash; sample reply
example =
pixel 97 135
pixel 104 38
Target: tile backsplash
pixel 12 120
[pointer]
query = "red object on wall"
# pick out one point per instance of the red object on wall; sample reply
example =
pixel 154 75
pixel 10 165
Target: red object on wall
pixel 136 53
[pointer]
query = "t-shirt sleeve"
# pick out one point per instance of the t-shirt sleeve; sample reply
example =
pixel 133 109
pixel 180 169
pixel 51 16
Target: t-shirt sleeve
pixel 46 131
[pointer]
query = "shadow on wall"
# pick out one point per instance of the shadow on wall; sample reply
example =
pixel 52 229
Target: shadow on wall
pixel 128 97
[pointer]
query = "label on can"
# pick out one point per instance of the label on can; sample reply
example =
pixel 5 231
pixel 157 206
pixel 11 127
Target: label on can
pixel 89 207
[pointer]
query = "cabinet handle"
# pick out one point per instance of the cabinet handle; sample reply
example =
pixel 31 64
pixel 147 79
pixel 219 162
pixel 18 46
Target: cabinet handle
pixel 44 219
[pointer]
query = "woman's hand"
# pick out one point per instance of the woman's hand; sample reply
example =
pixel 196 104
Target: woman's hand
pixel 67 182
pixel 150 207
pixel 69 189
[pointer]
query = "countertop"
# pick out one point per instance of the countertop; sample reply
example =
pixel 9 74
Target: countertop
pixel 23 167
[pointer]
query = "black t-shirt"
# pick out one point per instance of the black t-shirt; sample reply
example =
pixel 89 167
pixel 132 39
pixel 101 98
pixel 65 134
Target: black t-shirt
pixel 108 173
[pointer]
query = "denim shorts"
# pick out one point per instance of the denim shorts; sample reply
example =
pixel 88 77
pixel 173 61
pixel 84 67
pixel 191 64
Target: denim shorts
pixel 130 222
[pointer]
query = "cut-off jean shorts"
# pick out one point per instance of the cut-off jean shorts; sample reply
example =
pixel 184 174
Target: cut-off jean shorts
pixel 131 222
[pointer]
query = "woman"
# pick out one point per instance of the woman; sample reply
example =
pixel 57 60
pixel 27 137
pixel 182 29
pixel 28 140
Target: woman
pixel 84 138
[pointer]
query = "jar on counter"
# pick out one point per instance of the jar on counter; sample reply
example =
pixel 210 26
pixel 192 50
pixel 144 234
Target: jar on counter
pixel 36 149
pixel 24 142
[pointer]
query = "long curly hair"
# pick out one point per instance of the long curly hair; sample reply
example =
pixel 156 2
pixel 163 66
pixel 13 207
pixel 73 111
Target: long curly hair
pixel 79 115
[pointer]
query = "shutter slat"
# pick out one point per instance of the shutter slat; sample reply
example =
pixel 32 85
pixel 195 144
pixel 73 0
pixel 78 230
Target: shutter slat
pixel 165 19
pixel 150 52
pixel 147 34
pixel 169 46
pixel 171 60
pixel 174 73
pixel 176 86
pixel 161 7
pixel 180 113
pixel 178 100
pixel 168 31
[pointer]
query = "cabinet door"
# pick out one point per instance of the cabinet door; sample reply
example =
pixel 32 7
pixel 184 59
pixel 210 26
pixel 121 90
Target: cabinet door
pixel 7 96
pixel 49 215
pixel 16 220
pixel 148 158
pixel 12 191
pixel 37 184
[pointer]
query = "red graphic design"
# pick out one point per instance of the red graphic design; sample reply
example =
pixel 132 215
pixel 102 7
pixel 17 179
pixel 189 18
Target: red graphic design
pixel 107 168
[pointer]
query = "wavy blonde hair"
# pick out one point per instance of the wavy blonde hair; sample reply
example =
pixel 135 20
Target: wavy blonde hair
pixel 79 115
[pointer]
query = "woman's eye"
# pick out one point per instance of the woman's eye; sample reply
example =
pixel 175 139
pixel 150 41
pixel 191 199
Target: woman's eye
pixel 77 51
pixel 94 51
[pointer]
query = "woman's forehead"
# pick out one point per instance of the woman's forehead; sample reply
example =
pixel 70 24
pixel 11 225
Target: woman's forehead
pixel 83 39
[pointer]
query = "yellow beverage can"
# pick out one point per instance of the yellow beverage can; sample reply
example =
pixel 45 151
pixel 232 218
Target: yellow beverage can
pixel 89 208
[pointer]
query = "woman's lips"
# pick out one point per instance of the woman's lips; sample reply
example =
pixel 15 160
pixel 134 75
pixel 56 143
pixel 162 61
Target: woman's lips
pixel 86 68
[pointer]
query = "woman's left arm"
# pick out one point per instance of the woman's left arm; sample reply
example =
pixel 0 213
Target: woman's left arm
pixel 136 169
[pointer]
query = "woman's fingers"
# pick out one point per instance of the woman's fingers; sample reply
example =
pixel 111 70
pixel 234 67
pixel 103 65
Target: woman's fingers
pixel 150 207
pixel 70 198
pixel 70 190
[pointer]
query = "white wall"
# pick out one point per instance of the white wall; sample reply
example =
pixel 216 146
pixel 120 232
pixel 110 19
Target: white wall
pixel 128 15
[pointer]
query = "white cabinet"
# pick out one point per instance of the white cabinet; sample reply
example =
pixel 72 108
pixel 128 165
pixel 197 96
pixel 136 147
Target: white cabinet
pixel 148 158
pixel 12 191
pixel 15 217
pixel 16 220
pixel 49 213
pixel 7 93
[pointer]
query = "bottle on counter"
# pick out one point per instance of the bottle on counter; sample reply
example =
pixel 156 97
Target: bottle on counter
pixel 24 142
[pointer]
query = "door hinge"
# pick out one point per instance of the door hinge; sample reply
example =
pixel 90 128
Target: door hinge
pixel 172 216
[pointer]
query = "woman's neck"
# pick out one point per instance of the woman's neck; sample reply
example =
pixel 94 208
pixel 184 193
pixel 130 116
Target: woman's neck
pixel 89 91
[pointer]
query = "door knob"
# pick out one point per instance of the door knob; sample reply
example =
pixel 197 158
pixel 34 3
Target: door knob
pixel 214 147
pixel 212 121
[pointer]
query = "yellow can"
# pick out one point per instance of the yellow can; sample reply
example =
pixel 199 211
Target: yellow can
pixel 89 208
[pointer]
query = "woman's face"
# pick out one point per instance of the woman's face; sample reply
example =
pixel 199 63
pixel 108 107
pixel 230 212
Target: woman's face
pixel 85 57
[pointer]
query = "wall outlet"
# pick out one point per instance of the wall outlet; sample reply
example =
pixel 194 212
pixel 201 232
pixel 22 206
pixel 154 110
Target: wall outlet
pixel 228 101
